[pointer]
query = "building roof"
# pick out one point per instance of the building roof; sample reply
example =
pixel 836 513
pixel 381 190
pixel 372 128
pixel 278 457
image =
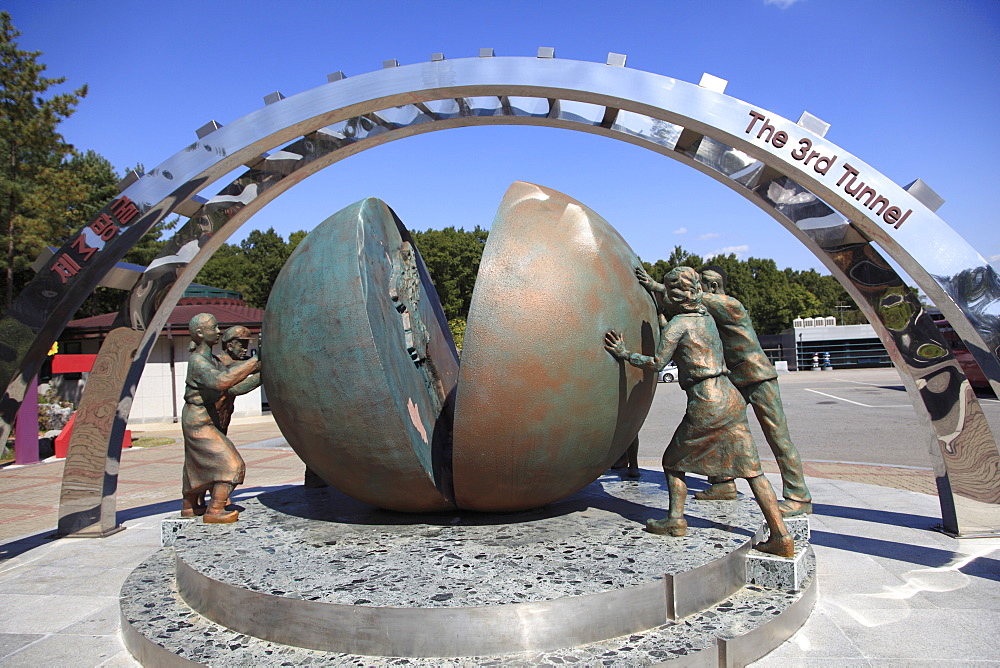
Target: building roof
pixel 227 312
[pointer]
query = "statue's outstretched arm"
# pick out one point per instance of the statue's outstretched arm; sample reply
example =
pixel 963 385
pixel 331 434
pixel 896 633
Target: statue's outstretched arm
pixel 208 376
pixel 249 384
pixel 614 343
pixel 646 281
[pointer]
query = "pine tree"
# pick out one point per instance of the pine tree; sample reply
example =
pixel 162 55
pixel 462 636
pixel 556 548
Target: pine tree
pixel 32 152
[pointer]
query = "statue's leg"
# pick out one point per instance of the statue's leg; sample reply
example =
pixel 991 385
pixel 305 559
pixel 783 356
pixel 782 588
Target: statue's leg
pixel 217 513
pixel 674 524
pixel 765 397
pixel 633 459
pixel 779 542
pixel 720 489
pixel 193 504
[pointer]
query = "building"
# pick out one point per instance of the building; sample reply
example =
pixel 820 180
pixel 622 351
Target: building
pixel 160 394
pixel 849 346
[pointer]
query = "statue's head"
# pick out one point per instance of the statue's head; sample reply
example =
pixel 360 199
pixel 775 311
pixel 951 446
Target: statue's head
pixel 203 327
pixel 684 290
pixel 713 279
pixel 236 341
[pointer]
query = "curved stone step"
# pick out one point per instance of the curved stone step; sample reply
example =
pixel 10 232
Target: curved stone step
pixel 159 629
pixel 312 568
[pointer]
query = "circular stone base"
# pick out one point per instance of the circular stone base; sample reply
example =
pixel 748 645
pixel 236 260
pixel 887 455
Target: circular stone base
pixel 571 581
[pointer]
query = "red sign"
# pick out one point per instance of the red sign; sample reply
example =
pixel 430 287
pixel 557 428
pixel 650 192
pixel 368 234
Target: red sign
pixel 68 265
pixel 73 363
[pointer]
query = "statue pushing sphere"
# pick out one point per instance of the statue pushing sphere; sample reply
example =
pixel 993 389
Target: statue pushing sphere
pixel 713 438
pixel 211 462
pixel 380 408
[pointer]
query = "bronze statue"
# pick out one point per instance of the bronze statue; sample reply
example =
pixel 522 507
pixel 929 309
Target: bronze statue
pixel 713 438
pixel 235 346
pixel 756 379
pixel 211 461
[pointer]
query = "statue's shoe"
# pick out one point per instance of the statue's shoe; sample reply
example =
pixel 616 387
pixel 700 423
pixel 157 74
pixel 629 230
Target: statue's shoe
pixel 667 526
pixel 224 517
pixel 791 507
pixel 781 546
pixel 193 512
pixel 723 491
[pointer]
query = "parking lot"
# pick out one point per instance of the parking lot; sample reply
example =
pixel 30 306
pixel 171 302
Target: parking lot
pixel 860 415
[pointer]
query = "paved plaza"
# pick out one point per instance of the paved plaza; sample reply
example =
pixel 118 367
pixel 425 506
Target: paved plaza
pixel 892 590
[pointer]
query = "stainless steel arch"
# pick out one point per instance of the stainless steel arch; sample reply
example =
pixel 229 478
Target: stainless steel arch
pixel 744 147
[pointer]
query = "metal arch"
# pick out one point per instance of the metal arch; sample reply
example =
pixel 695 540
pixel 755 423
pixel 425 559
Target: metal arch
pixel 688 106
pixel 702 128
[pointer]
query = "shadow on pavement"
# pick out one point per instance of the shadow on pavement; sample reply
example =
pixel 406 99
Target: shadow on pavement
pixel 19 546
pixel 920 555
pixel 126 514
pixel 138 512
pixel 905 520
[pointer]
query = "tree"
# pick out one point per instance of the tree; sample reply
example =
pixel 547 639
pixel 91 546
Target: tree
pixel 264 254
pixel 452 258
pixel 294 239
pixel 225 269
pixel 250 267
pixel 772 297
pixel 31 153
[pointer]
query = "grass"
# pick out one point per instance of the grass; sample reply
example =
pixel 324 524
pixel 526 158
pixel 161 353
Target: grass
pixel 151 441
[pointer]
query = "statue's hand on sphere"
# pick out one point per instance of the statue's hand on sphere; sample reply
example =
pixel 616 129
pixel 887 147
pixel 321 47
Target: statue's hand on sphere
pixel 614 343
pixel 645 280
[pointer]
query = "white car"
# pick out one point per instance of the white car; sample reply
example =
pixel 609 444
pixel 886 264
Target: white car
pixel 668 374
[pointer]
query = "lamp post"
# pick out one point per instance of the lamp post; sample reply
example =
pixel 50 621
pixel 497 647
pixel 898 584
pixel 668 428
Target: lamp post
pixel 840 311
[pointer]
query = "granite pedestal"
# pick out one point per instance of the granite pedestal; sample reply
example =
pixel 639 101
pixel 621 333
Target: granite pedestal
pixel 309 575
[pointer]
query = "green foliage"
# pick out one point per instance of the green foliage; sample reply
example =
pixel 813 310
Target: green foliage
pixel 452 258
pixel 773 297
pixel 40 193
pixel 48 190
pixel 294 239
pixel 678 258
pixel 251 266
pixel 457 327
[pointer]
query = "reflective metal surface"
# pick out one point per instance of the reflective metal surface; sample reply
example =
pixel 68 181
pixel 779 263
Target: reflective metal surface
pixel 424 632
pixel 90 475
pixel 964 450
pixel 668 116
pixel 690 591
pixel 935 380
pixel 747 648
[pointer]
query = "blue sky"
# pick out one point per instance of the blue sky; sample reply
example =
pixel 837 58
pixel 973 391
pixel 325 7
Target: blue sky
pixel 911 87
